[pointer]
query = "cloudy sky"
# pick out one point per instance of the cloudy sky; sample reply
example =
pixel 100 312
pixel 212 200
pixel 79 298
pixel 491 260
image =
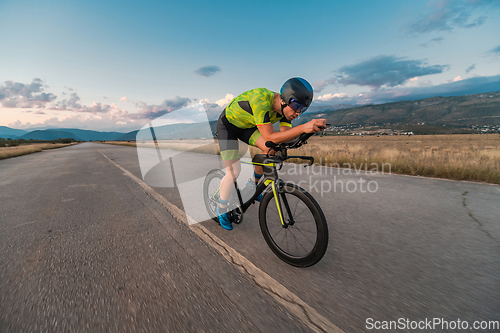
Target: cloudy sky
pixel 115 65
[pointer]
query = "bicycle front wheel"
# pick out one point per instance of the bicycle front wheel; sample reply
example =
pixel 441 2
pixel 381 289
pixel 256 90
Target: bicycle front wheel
pixel 303 241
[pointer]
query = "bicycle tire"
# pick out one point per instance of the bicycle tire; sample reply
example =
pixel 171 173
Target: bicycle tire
pixel 314 222
pixel 208 188
pixel 211 184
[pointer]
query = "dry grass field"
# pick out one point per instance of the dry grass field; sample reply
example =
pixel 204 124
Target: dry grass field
pixel 461 156
pixel 6 152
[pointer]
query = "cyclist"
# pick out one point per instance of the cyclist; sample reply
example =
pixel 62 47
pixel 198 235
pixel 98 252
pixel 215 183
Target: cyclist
pixel 249 118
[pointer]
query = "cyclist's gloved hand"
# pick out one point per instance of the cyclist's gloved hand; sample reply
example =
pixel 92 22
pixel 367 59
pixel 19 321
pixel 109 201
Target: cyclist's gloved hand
pixel 315 125
pixel 270 144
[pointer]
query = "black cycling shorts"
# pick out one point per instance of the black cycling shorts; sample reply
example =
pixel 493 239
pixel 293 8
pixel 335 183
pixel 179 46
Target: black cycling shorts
pixel 229 134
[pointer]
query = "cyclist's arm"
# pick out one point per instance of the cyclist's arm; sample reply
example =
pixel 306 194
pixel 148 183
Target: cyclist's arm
pixel 268 133
pixel 284 128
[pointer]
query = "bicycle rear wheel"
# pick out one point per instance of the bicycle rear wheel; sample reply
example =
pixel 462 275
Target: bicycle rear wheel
pixel 304 242
pixel 211 188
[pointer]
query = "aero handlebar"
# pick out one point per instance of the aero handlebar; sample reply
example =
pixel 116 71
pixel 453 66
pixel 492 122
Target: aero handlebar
pixel 281 148
pixel 295 143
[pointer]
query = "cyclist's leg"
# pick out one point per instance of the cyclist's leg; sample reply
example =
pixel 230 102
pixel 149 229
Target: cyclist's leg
pixel 229 150
pixel 228 146
pixel 233 168
pixel 259 142
pixel 253 137
pixel 226 187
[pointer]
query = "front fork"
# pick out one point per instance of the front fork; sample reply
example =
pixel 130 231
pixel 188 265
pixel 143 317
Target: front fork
pixel 278 192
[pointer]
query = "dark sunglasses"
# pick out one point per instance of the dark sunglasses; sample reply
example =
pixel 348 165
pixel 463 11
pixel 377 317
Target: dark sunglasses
pixel 297 106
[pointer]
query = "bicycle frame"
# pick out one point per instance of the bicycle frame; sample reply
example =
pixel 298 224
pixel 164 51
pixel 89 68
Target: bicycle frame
pixel 270 178
pixel 286 196
pixel 268 163
pixel 263 184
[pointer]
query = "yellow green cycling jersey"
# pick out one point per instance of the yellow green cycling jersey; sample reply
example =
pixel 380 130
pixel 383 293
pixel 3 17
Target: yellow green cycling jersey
pixel 254 108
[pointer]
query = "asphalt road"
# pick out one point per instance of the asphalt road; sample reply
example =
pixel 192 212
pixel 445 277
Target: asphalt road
pixel 84 248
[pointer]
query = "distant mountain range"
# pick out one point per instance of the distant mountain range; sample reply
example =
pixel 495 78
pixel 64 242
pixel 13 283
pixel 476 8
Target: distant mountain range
pixel 477 109
pixel 58 133
pixel 460 111
pixel 174 131
pixel 49 135
pixel 7 132
pixel 321 108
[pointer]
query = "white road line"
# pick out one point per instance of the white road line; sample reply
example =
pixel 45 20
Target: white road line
pixel 285 297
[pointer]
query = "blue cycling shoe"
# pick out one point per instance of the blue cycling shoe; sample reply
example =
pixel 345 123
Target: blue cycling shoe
pixel 224 220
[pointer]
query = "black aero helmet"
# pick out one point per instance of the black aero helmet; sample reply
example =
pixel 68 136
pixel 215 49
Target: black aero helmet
pixel 297 89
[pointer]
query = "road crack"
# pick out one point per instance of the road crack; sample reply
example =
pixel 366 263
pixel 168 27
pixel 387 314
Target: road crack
pixel 469 212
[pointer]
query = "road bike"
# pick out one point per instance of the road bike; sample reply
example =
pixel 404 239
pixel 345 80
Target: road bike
pixel 290 219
